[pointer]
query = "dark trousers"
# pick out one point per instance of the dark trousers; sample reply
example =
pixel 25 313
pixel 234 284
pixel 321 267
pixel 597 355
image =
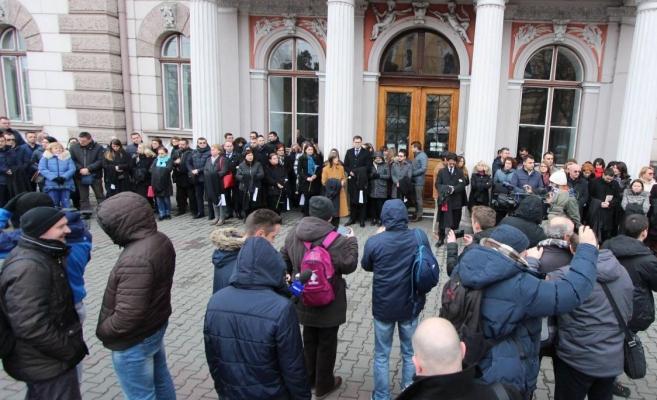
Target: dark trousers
pixel 450 219
pixel 319 349
pixel 358 212
pixel 377 205
pixel 62 387
pixel 97 187
pixel 186 197
pixel 570 384
pixel 199 192
pixel 4 195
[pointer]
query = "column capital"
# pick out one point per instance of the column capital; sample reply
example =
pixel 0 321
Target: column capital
pixel 351 3
pixel 495 3
pixel 645 5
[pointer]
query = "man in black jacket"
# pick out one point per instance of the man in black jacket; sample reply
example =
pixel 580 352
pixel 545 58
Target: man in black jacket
pixel 357 162
pixel 233 199
pixel 185 193
pixel 580 186
pixel 88 158
pixel 439 372
pixel 38 304
pixel 450 185
pixel 195 164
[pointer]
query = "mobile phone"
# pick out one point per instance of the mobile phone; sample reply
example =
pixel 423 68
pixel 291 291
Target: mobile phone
pixel 459 233
pixel 343 230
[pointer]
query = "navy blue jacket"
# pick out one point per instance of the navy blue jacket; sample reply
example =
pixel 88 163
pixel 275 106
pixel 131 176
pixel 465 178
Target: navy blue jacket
pixel 390 256
pixel 512 305
pixel 7 162
pixel 197 161
pixel 252 337
pixel 522 178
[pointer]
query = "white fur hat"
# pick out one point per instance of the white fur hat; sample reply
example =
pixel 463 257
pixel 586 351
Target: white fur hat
pixel 559 178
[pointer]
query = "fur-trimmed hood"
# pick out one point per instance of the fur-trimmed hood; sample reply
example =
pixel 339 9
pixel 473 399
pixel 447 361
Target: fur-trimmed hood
pixel 65 155
pixel 227 239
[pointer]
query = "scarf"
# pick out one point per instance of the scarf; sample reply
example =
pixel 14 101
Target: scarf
pixel 311 166
pixel 162 161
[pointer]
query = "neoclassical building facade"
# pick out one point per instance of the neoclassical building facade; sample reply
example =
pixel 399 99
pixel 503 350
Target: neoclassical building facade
pixel 572 77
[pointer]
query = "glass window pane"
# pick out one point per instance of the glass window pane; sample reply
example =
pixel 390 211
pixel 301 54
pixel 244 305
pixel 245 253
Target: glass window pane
pixel 401 56
pixel 398 113
pixel 307 95
pixel 534 106
pixel 27 99
pixel 281 58
pixel 565 106
pixel 532 138
pixel 184 47
pixel 171 96
pixel 568 66
pixel 170 48
pixel 21 42
pixel 307 126
pixel 562 144
pixel 187 96
pixel 282 124
pixel 307 60
pixel 437 124
pixel 539 65
pixel 12 96
pixel 8 42
pixel 439 56
pixel 280 94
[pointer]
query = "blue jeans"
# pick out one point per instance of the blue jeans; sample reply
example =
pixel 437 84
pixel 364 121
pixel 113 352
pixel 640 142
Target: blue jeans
pixel 383 332
pixel 142 369
pixel 163 206
pixel 60 197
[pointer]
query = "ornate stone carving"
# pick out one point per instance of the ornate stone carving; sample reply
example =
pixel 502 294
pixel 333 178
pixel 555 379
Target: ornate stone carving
pixel 290 23
pixel 560 27
pixel 168 12
pixel 3 13
pixel 526 34
pixel 264 27
pixel 457 22
pixel 386 18
pixel 420 11
pixel 317 26
pixel 591 35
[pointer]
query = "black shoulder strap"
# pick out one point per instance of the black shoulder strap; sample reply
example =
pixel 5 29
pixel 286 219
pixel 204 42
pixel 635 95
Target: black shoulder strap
pixel 619 317
pixel 500 391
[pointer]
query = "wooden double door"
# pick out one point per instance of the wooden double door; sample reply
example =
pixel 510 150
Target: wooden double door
pixel 428 115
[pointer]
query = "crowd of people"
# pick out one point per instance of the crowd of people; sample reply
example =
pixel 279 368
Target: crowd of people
pixel 560 264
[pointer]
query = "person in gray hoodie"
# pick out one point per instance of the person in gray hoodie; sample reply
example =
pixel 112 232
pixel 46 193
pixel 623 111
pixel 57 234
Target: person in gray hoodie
pixel 590 345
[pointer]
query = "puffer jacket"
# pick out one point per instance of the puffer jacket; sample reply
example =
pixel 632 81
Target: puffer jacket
pixel 252 337
pixel 379 181
pixel 590 340
pixel 527 218
pixel 641 264
pixel 512 305
pixel 389 255
pixel 635 203
pixel 197 161
pixel 344 255
pixel 37 300
pixel 52 166
pixel 228 242
pixel 137 300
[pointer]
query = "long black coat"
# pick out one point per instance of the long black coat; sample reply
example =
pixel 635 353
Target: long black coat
pixel 360 166
pixel 213 173
pixel 605 218
pixel 250 177
pixel 161 179
pixel 274 175
pixel 455 200
pixel 480 189
pixel 180 171
pixel 120 180
pixel 141 173
pixel 305 187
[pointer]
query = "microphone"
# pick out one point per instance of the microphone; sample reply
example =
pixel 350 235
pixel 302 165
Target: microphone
pixel 300 279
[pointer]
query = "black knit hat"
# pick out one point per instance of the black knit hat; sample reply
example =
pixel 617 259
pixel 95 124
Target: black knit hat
pixel 24 202
pixel 38 220
pixel 321 207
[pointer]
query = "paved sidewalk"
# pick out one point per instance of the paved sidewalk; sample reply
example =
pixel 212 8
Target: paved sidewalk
pixel 191 291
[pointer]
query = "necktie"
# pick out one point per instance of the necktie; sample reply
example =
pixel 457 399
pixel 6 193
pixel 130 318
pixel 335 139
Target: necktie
pixel 357 151
pixel 451 171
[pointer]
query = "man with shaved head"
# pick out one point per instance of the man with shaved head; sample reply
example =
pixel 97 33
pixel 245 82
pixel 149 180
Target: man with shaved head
pixel 439 367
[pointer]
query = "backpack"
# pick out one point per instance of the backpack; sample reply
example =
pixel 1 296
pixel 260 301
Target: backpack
pixel 318 291
pixel 425 271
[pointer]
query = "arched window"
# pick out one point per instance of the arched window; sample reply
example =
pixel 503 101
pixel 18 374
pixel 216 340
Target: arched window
pixel 420 53
pixel 176 82
pixel 293 90
pixel 15 84
pixel 551 102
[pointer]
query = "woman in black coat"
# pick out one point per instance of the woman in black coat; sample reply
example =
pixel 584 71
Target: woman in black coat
pixel 275 184
pixel 161 181
pixel 140 168
pixel 214 170
pixel 309 173
pixel 116 168
pixel 480 185
pixel 250 175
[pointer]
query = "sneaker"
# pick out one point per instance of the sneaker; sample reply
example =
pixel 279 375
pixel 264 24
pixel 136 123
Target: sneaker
pixel 336 385
pixel 620 390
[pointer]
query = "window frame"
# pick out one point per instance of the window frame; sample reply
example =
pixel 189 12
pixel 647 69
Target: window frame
pixel 18 56
pixel 179 62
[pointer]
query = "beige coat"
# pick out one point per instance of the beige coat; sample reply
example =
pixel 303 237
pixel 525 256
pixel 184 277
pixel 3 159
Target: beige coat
pixel 337 172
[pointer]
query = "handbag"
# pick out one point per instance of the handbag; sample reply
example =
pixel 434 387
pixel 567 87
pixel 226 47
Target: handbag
pixel 635 358
pixel 150 192
pixel 87 180
pixel 229 181
pixel 37 178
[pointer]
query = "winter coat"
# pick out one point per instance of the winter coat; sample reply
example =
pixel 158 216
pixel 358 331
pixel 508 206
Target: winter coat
pixel 141 173
pixel 641 264
pixel 250 178
pixel 337 172
pixel 512 305
pixel 227 242
pixel 522 178
pixel 581 187
pixel 563 204
pixel 389 255
pixel 89 156
pixel 556 254
pixel 213 173
pixel 635 203
pixel 420 162
pixel 79 255
pixel 379 181
pixel 52 166
pixel 399 171
pixel 590 339
pixel 305 187
pixel 8 238
pixel 180 171
pixel 7 162
pixel 161 178
pixel 603 218
pixel 498 164
pixel 502 176
pixel 344 255
pixel 197 161
pixel 252 338
pixel 452 249
pixel 527 218
pixel 480 189
pixel 116 181
pixel 456 199
pixel 137 300
pixel 275 174
pixel 356 184
pixel 24 154
pixel 37 301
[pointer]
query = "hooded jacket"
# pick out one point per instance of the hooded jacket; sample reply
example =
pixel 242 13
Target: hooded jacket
pixel 527 218
pixel 344 255
pixel 228 243
pixel 512 305
pixel 641 264
pixel 590 339
pixel 389 255
pixel 252 338
pixel 137 300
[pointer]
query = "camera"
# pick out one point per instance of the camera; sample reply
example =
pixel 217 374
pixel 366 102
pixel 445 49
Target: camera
pixel 459 233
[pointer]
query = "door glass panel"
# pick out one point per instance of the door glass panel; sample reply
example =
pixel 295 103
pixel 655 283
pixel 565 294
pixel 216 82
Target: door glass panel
pixel 565 105
pixel 562 144
pixel 534 106
pixel 398 120
pixel 437 124
pixel 531 137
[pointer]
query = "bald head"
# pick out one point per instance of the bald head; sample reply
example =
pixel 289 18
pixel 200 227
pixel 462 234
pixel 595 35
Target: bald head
pixel 559 228
pixel 437 347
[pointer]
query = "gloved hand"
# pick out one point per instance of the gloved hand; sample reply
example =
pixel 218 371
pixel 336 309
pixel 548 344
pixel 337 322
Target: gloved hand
pixel 59 180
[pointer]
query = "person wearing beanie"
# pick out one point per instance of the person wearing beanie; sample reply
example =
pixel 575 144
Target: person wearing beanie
pixel 79 255
pixel 562 203
pixel 12 212
pixel 320 324
pixel 514 299
pixel 37 303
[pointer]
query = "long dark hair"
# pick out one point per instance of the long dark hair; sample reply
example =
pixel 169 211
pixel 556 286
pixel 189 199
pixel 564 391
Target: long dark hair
pixel 110 154
pixel 599 161
pixel 622 168
pixel 333 154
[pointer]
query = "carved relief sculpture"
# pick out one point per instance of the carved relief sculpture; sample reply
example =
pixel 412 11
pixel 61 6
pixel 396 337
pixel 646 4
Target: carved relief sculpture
pixel 290 23
pixel 526 34
pixel 592 36
pixel 457 22
pixel 317 26
pixel 386 18
pixel 168 16
pixel 560 28
pixel 420 10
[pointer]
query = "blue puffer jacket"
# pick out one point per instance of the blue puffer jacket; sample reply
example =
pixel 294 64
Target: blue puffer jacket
pixel 8 239
pixel 252 337
pixel 52 166
pixel 513 304
pixel 79 255
pixel 390 256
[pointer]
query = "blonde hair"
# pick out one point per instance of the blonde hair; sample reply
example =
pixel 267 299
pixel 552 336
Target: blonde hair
pixel 644 170
pixel 487 169
pixel 145 150
pixel 52 145
pixel 218 147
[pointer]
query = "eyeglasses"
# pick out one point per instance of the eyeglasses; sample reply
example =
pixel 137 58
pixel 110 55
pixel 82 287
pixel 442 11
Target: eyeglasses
pixel 10 140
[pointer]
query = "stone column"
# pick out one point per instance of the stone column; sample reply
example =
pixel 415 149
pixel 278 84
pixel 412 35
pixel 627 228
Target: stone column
pixel 639 119
pixel 206 104
pixel 485 82
pixel 338 109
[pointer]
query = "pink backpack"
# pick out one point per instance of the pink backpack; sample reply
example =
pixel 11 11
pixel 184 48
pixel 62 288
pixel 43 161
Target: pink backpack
pixel 318 291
